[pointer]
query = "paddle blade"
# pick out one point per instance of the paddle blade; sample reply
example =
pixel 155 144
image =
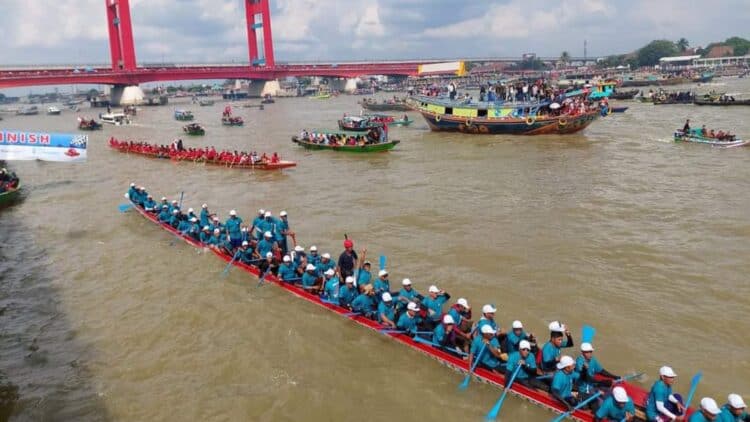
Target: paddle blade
pixel 382 262
pixel 465 384
pixel 587 334
pixel 693 386
pixel 124 207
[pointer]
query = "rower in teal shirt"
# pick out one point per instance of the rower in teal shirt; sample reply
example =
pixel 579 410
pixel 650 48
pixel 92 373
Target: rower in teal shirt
pixel 382 284
pixel 386 310
pixel 255 230
pixel 149 205
pixel 708 411
pixel 132 192
pixel 490 356
pixel 551 350
pixel 563 380
pixel 434 303
pixel 515 335
pixel 326 263
pixel 616 407
pixel 409 320
pixel 364 277
pixel 205 235
pixel 734 411
pixel 660 397
pixel 589 367
pixel 523 357
pixel 365 303
pixel 265 245
pixel 205 215
pixel 443 333
pixel 267 224
pixel 347 292
pixel 309 278
pixel 215 238
pixel 174 220
pixel 405 295
pixel 164 215
pixel 331 286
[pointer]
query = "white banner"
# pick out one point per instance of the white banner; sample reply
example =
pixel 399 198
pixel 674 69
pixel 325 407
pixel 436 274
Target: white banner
pixel 17 145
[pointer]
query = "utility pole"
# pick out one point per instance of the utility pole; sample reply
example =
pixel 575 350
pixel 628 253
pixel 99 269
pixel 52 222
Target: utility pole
pixel 585 56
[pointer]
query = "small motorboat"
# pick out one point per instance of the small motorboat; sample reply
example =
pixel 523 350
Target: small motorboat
pixel 117 119
pixel 88 124
pixel 232 121
pixel 206 102
pixel 194 129
pixel 695 135
pixel 183 115
pixel 53 111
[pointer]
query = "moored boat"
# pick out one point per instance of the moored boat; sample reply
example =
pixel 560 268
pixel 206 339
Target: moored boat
pixel 419 344
pixel 506 118
pixel 695 136
pixel 183 115
pixel 156 151
pixel 390 105
pixel 194 129
pixel 377 147
pixel 53 111
pixel 357 124
pixel 623 95
pixel 205 102
pixel 721 102
pixel 117 119
pixel 232 121
pixel 28 111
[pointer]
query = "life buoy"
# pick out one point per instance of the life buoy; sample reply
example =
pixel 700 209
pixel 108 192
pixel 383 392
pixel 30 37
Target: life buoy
pixel 484 129
pixel 530 120
pixel 562 121
pixel 468 122
pixel 437 117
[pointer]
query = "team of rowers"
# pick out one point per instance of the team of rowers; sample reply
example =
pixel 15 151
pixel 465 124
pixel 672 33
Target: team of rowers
pixel 375 135
pixel 176 151
pixel 351 284
pixel 720 135
pixel 8 180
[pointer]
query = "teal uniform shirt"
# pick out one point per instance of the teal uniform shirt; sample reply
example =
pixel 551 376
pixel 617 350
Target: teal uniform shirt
pixel 214 240
pixel 149 205
pixel 164 215
pixel 256 222
pixel 281 227
pixel 550 353
pixel 439 335
pixel 347 295
pixel 331 288
pixel 514 358
pixel 204 217
pixel 364 304
pixel 308 280
pixel 408 324
pixel 314 259
pixel 381 286
pixel 487 358
pixel 434 306
pixel 404 297
pixel 562 383
pixel 697 416
pixel 482 322
pixel 182 226
pixel 194 230
pixel 610 411
pixel 512 340
pixel 232 226
pixel 204 237
pixel 216 225
pixel 267 225
pixel 264 247
pixel 363 277
pixel 174 220
pixel 387 309
pixel 727 416
pixel 286 271
pixel 594 368
pixel 132 194
pixel 247 256
pixel 660 391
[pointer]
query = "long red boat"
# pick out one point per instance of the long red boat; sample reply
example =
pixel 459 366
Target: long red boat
pixel 262 165
pixel 538 397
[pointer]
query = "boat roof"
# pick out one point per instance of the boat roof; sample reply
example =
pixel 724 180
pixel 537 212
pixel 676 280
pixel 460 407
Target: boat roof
pixel 445 102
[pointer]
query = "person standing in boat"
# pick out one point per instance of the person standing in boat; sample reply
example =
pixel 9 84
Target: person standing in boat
pixel 232 228
pixel 282 231
pixel 662 405
pixel 347 259
pixel 452 91
pixel 686 128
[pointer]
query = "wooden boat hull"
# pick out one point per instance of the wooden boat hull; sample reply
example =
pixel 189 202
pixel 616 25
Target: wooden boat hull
pixel 722 103
pixel 483 126
pixel 541 398
pixel 346 148
pixel 385 106
pixel 681 137
pixel 9 197
pixel 184 118
pixel 258 166
pixel 619 109
pixel 625 95
pixel 232 122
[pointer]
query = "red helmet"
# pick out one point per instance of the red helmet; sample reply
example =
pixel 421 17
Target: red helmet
pixel 348 243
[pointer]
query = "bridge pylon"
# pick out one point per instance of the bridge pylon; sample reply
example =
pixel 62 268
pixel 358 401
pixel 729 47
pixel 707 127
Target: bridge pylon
pixel 121 45
pixel 258 16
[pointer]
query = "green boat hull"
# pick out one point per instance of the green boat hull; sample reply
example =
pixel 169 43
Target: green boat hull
pixel 7 198
pixel 343 148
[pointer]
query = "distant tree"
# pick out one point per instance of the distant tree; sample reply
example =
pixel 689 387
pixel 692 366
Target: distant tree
pixel 740 45
pixel 653 51
pixel 683 44
pixel 532 63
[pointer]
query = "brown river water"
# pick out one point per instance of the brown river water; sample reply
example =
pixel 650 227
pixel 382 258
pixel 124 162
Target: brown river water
pixel 104 317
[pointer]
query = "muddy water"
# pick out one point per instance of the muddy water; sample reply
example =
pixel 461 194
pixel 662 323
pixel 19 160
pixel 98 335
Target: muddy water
pixel 105 317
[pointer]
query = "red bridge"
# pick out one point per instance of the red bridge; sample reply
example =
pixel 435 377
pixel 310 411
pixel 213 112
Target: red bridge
pixel 124 70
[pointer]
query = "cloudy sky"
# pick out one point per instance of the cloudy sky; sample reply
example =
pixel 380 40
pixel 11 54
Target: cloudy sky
pixel 74 31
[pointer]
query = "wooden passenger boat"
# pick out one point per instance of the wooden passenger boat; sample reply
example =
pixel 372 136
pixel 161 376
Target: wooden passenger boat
pixel 385 146
pixel 9 196
pixel 694 136
pixel 443 356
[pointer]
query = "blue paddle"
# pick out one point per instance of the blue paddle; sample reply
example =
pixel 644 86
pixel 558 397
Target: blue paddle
pixel 181 195
pixel 226 269
pixel 492 415
pixel 465 384
pixel 390 331
pixel 428 342
pixel 263 277
pixel 124 207
pixel 587 334
pixel 693 386
pixel 580 405
pixel 382 262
